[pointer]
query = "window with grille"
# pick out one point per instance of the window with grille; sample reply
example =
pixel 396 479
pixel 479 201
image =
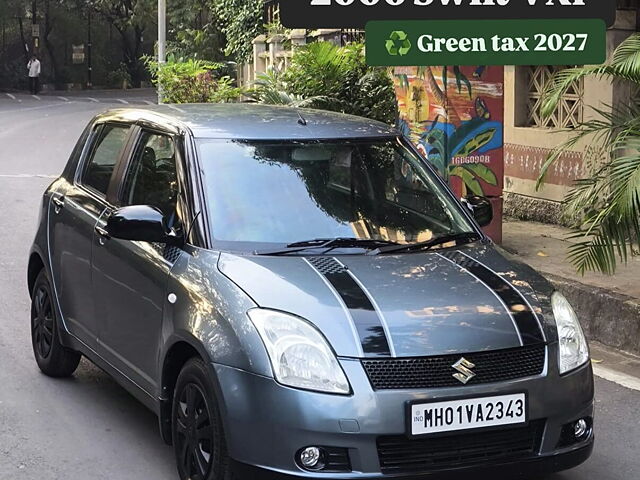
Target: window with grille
pixel 568 114
pixel 271 11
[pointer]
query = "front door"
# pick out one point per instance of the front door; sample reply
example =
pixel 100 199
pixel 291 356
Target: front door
pixel 73 211
pixel 130 277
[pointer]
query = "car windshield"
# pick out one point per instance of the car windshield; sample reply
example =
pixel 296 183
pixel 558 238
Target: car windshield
pixel 278 193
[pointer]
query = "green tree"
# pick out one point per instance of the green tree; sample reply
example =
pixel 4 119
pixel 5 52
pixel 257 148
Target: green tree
pixel 323 75
pixel 605 206
pixel 194 30
pixel 132 19
pixel 241 21
pixel 192 81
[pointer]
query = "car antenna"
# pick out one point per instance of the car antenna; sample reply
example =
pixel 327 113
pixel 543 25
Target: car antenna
pixel 301 120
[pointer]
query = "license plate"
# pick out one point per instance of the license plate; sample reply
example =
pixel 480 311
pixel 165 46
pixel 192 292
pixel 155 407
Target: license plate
pixel 437 417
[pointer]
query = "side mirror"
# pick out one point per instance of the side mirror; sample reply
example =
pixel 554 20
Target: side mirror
pixel 481 209
pixel 140 223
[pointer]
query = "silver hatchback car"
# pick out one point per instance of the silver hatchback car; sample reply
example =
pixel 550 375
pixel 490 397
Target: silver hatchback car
pixel 297 294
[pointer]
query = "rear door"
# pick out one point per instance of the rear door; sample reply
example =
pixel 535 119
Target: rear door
pixel 130 277
pixel 73 212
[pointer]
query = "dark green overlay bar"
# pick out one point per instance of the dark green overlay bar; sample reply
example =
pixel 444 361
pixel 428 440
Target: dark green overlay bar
pixel 486 42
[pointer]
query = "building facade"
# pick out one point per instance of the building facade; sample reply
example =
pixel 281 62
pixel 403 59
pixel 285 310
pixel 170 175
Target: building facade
pixel 529 138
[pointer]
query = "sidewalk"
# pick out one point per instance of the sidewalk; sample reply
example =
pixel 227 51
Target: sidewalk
pixel 608 306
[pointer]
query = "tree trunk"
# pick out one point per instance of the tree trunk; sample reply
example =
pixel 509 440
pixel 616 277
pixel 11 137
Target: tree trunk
pixel 34 21
pixel 24 42
pixel 131 55
pixel 48 27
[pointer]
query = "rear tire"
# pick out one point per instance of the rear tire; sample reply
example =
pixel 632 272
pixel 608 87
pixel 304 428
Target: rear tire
pixel 198 437
pixel 52 357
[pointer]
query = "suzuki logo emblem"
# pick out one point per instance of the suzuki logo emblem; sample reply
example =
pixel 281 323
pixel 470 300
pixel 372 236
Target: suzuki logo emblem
pixel 464 374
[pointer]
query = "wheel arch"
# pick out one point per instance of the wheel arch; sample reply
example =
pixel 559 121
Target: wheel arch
pixel 36 265
pixel 177 355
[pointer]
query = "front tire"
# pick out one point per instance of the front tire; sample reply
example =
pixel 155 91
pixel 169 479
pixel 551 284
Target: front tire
pixel 52 357
pixel 198 437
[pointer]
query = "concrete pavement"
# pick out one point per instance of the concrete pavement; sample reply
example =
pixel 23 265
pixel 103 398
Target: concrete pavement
pixel 88 426
pixel 608 306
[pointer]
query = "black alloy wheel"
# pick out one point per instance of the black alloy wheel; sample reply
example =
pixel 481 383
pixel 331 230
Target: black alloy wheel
pixel 51 356
pixel 194 433
pixel 42 322
pixel 198 438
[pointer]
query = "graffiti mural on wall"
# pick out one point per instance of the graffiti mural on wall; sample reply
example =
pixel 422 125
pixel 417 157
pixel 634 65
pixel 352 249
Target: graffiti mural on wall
pixel 454 115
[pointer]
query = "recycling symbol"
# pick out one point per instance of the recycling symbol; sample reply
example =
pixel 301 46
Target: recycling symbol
pixel 398 43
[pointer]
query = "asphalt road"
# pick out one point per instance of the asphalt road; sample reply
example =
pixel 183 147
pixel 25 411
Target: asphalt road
pixel 89 427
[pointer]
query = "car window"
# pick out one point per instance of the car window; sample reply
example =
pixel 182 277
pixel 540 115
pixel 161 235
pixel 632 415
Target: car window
pixel 98 171
pixel 151 178
pixel 282 192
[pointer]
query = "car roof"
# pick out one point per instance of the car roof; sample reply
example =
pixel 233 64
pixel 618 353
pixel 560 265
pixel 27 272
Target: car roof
pixel 253 121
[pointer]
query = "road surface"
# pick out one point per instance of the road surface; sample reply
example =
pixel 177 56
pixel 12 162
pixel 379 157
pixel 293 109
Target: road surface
pixel 88 426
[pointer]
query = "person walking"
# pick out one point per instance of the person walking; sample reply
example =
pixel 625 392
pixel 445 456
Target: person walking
pixel 33 68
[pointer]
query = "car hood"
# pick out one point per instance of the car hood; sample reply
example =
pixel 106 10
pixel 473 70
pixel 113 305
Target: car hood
pixel 410 305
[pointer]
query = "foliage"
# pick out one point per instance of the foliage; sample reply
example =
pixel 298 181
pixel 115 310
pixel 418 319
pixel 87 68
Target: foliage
pixel 241 22
pixel 275 28
pixel 131 19
pixel 192 81
pixel 204 43
pixel 322 75
pixel 121 32
pixel 193 30
pixel 606 205
pixel 119 78
pixel 269 88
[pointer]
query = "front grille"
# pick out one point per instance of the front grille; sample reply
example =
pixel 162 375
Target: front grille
pixel 400 454
pixel 436 372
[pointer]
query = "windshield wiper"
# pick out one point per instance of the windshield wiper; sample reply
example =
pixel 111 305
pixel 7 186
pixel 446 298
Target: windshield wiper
pixel 328 244
pixel 459 238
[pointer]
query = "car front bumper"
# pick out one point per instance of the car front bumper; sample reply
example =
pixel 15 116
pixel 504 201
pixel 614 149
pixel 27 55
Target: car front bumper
pixel 267 423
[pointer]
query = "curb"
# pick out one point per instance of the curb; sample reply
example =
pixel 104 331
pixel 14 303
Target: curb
pixel 610 318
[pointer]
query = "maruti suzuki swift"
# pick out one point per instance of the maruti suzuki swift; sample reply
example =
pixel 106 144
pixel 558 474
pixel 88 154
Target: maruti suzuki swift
pixel 297 294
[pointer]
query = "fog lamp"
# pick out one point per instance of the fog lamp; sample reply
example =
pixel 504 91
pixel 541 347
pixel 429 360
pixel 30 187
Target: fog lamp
pixel 580 428
pixel 311 457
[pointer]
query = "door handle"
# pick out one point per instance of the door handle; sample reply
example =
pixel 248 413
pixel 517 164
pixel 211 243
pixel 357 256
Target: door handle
pixel 103 233
pixel 58 203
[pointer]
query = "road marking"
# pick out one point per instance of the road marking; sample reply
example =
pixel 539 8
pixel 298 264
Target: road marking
pixel 173 107
pixel 122 101
pixel 93 99
pixel 12 97
pixel 36 97
pixel 148 102
pixel 64 99
pixel 25 175
pixel 617 377
pixel 39 107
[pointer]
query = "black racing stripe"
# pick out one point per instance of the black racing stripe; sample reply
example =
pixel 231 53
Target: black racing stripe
pixel 365 318
pixel 525 319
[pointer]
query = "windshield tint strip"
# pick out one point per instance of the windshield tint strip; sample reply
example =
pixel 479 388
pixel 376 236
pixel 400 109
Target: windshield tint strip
pixel 367 321
pixel 525 319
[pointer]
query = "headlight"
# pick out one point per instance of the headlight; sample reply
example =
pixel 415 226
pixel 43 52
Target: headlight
pixel 573 348
pixel 300 355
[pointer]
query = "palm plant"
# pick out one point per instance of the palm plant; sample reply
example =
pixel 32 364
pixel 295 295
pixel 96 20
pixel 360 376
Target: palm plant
pixel 605 206
pixel 270 88
pixel 323 75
